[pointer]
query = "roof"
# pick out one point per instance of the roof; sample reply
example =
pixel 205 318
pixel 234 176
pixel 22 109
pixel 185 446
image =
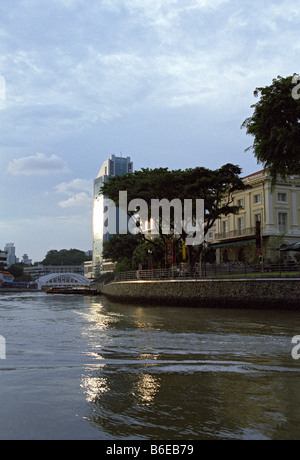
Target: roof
pixel 262 171
pixel 7 274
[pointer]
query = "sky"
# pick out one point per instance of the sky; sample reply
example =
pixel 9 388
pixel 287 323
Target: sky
pixel 166 82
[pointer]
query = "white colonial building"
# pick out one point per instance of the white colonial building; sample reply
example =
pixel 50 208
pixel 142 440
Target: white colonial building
pixel 269 217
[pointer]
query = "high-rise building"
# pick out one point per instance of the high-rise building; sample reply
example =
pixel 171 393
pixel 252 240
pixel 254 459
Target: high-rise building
pixel 11 254
pixel 114 166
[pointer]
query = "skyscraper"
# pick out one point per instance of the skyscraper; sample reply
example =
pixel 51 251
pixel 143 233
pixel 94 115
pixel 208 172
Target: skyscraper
pixel 11 254
pixel 114 166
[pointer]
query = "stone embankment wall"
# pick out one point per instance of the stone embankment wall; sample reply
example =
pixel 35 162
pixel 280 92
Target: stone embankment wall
pixel 248 293
pixel 10 290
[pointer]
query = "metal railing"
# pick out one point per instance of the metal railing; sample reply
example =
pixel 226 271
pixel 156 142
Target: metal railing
pixel 206 271
pixel 235 233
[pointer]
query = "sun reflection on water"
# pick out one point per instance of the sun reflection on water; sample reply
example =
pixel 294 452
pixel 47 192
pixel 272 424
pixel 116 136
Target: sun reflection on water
pixel 94 388
pixel 145 389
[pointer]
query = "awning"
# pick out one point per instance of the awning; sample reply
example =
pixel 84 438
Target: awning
pixel 234 243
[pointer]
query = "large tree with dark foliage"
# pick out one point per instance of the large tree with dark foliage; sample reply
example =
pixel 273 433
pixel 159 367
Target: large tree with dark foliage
pixel 65 257
pixel 275 125
pixel 119 247
pixel 215 187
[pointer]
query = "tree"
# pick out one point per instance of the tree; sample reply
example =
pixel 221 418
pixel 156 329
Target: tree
pixel 275 125
pixel 123 265
pixel 215 187
pixel 119 247
pixel 65 257
pixel 132 250
pixel 17 270
pixel 149 255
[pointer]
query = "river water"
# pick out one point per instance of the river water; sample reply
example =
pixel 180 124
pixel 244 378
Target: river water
pixel 83 368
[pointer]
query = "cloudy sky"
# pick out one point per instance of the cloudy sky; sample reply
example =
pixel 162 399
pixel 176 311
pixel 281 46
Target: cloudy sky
pixel 166 82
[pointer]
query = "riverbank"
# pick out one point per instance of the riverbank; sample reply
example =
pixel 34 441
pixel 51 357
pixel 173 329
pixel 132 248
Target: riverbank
pixel 229 293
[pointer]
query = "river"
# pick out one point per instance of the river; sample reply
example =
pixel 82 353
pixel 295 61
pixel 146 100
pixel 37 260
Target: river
pixel 81 367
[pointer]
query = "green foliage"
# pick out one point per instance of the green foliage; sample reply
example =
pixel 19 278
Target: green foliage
pixel 149 255
pixel 119 247
pixel 276 128
pixel 131 250
pixel 17 270
pixel 65 257
pixel 215 187
pixel 124 265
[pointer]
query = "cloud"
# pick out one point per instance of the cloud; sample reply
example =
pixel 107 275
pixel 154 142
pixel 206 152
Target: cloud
pixel 82 185
pixel 151 53
pixel 38 164
pixel 79 192
pixel 2 88
pixel 2 92
pixel 90 83
pixel 76 200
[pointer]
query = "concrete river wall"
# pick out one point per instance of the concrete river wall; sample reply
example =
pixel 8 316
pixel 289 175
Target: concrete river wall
pixel 243 293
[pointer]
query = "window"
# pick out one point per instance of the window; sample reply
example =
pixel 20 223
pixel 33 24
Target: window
pixel 225 227
pixel 282 197
pixel 282 222
pixel 240 203
pixel 257 198
pixel 240 225
pixel 257 217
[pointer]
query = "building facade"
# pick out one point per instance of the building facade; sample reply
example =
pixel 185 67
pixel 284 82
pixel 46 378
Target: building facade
pixel 37 271
pixel 6 277
pixel 11 254
pixel 114 166
pixel 268 218
pixel 26 260
pixel 3 259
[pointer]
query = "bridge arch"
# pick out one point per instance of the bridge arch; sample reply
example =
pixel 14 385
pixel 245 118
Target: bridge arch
pixel 62 280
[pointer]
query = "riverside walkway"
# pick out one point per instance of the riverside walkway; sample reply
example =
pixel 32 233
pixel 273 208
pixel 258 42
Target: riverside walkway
pixel 267 289
pixel 242 293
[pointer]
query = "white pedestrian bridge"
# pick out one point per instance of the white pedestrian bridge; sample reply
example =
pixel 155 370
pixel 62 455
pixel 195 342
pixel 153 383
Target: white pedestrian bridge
pixel 67 280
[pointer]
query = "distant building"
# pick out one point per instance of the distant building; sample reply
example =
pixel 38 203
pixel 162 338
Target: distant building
pixel 11 254
pixel 268 218
pixel 114 166
pixel 88 269
pixel 3 259
pixel 26 260
pixel 6 277
pixel 37 271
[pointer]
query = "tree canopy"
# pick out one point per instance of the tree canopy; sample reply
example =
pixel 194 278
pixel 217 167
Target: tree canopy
pixel 129 251
pixel 275 125
pixel 65 257
pixel 215 187
pixel 120 246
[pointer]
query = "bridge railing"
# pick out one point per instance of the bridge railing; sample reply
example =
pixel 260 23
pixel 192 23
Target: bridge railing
pixel 206 271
